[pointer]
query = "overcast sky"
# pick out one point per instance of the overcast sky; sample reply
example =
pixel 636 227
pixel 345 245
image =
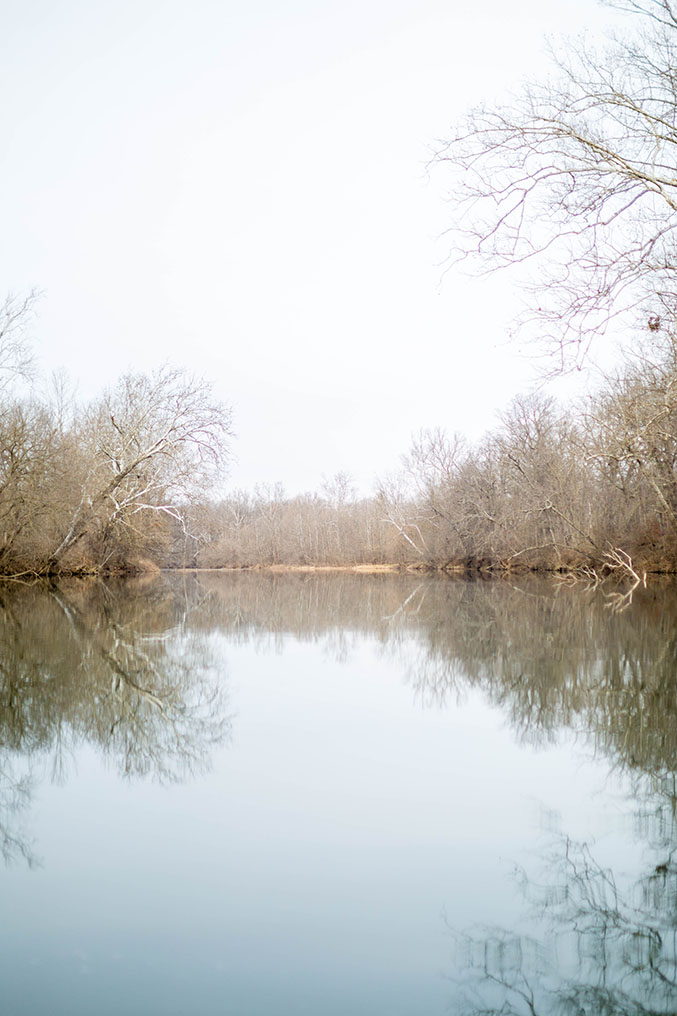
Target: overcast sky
pixel 241 188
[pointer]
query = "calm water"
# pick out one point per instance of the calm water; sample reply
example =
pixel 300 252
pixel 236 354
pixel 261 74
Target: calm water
pixel 291 795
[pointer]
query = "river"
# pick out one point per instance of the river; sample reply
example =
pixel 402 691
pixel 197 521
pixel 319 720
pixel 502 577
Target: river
pixel 337 793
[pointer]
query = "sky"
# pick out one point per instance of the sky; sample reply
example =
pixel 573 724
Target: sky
pixel 243 189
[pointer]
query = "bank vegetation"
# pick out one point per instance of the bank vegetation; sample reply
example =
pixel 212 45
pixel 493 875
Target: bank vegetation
pixel 589 489
pixel 126 482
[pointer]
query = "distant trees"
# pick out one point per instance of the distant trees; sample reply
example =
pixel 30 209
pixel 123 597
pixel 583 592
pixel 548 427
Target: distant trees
pixel 576 177
pixel 591 490
pixel 266 527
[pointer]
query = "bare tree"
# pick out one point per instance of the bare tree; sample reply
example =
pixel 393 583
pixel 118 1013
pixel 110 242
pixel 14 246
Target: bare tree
pixel 577 177
pixel 632 438
pixel 401 510
pixel 151 445
pixel 30 474
pixel 16 355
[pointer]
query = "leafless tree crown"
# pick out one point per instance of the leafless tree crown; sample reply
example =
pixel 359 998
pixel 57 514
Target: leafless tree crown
pixel 577 177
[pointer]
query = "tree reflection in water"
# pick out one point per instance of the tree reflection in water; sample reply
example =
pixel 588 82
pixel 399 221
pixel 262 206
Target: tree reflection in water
pixel 127 670
pixel 112 666
pixel 602 950
pixel 15 796
pixel 552 659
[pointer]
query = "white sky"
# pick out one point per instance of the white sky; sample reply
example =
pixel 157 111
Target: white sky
pixel 240 188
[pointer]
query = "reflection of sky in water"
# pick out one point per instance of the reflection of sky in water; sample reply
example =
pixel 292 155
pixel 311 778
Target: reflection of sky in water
pixel 310 871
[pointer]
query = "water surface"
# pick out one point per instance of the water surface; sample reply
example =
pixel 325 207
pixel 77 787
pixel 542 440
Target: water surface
pixel 314 794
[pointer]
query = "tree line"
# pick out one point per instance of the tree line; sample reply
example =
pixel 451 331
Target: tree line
pixel 589 490
pixel 126 482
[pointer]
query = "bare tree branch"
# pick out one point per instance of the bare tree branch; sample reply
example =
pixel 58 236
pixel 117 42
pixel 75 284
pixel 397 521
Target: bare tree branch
pixel 577 178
